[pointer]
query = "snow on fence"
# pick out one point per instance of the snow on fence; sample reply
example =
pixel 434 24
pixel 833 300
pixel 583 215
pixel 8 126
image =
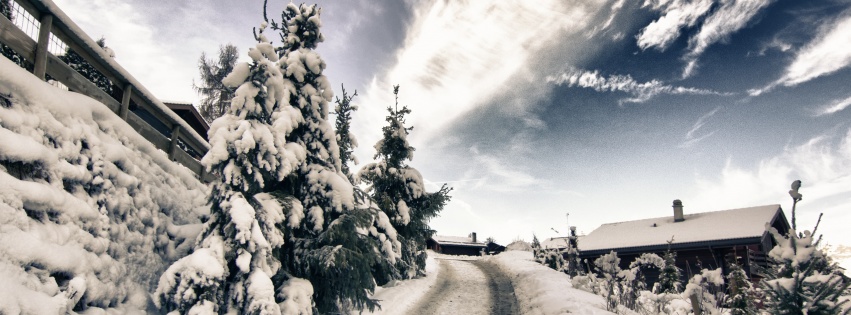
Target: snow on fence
pixel 41 31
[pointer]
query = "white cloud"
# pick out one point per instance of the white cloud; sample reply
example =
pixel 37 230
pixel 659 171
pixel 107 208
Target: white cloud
pixel 827 53
pixel 821 163
pixel 661 33
pixel 457 55
pixel 641 91
pixel 720 20
pixel 835 107
pixel 690 138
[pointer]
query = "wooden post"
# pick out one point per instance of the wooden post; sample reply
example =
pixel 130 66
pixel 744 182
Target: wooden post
pixel 125 102
pixel 172 148
pixel 40 67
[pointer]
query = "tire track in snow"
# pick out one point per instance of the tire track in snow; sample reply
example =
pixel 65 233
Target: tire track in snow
pixel 468 287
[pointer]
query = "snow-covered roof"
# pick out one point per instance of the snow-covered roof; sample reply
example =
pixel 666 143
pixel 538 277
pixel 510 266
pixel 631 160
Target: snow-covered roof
pixel 699 227
pixel 554 242
pixel 456 240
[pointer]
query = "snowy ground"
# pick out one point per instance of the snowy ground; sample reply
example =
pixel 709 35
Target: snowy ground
pixel 471 285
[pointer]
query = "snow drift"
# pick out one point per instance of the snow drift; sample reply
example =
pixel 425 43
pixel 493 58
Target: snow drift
pixel 90 212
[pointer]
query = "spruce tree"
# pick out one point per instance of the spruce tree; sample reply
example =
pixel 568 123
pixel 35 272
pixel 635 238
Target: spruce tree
pixel 384 236
pixel 800 278
pixel 215 96
pixel 8 52
pixel 537 252
pixel 76 62
pixel 233 268
pixel 670 277
pixel 741 294
pixel 573 264
pixel 399 191
pixel 327 247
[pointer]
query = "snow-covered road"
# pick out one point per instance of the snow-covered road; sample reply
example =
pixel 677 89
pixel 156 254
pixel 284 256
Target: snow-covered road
pixel 468 287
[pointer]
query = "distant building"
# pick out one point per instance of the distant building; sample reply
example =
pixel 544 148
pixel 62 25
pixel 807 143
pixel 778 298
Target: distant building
pixel 701 240
pixel 456 245
pixel 191 116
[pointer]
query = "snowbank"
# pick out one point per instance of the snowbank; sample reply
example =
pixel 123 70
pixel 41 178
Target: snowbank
pixel 397 297
pixel 90 212
pixel 541 290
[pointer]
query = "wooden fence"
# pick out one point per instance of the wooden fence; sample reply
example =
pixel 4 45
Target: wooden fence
pixel 51 28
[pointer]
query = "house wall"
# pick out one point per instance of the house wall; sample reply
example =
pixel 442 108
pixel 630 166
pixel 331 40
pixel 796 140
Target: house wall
pixel 460 250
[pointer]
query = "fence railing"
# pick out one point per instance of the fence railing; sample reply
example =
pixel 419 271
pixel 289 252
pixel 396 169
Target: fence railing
pixel 41 31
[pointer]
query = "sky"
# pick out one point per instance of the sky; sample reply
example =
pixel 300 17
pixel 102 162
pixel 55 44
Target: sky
pixel 544 114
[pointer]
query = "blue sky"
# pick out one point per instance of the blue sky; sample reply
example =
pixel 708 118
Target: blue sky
pixel 607 110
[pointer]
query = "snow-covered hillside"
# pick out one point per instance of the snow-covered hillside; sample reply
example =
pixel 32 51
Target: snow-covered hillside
pixel 90 212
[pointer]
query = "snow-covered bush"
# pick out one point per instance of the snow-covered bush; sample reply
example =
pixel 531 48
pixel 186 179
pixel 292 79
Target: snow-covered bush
pixel 705 292
pixel 608 266
pixel 634 280
pixel 399 191
pixel 91 213
pixel 800 277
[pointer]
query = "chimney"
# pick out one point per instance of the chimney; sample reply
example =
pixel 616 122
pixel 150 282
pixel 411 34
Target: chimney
pixel 678 211
pixel 474 236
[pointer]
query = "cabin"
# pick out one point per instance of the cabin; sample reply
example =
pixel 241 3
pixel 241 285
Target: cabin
pixel 700 240
pixel 456 245
pixel 191 116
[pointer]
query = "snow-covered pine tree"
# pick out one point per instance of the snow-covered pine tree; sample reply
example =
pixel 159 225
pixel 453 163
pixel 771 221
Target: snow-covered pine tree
pixel 6 11
pixel 399 191
pixel 741 294
pixel 670 277
pixel 329 247
pixel 537 252
pixel 381 231
pixel 573 263
pixel 215 96
pixel 800 278
pixel 233 265
pixel 76 62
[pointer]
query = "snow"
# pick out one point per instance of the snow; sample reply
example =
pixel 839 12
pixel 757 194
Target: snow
pixel 541 290
pixel 737 223
pixel 91 213
pixel 398 297
pixel 297 296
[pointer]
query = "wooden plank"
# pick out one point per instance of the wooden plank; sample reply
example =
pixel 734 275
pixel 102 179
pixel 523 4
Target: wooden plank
pixel 146 104
pixel 187 160
pixel 41 52
pixel 15 38
pixel 175 136
pixel 125 101
pixel 77 83
pixel 148 132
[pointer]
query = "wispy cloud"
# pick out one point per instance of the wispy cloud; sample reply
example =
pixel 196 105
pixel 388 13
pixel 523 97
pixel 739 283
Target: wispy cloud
pixel 641 91
pixel 690 138
pixel 677 15
pixel 827 53
pixel 834 107
pixel 719 21
pixel 730 17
